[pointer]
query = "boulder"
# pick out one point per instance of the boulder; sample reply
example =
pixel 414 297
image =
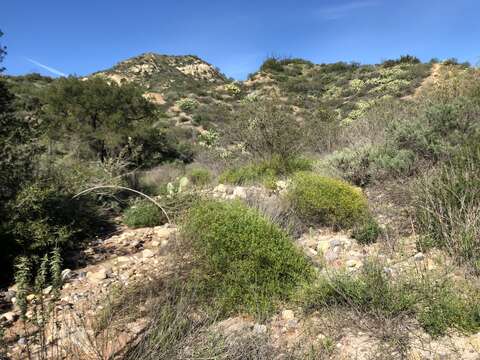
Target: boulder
pixel 288 315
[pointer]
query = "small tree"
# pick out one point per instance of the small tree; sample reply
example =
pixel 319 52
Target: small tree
pixel 104 116
pixel 268 129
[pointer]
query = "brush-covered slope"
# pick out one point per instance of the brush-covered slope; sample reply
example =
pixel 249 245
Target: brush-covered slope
pixel 347 88
pixel 193 92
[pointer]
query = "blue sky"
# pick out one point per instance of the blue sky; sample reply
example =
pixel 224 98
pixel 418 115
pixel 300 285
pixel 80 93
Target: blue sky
pixel 56 37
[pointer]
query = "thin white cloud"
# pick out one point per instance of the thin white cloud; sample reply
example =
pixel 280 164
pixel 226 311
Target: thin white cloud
pixel 45 67
pixel 340 11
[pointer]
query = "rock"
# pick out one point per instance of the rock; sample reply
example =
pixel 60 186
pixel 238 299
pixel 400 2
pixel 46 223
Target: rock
pixel 239 192
pixel 220 188
pixel 323 246
pixel 66 275
pixel 22 341
pixel 281 184
pixel 259 329
pixel 97 276
pixel 162 232
pixel 419 257
pixel 336 242
pixel 292 323
pixel 330 255
pixel 311 252
pixel 234 325
pixel 9 295
pixel 147 253
pixel 47 290
pixel 9 316
pixel 388 270
pixel 288 315
pixel 30 297
pixel 321 337
pixel 122 259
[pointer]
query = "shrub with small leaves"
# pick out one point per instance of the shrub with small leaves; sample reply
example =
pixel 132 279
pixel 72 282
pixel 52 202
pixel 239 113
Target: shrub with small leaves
pixel 367 231
pixel 244 262
pixel 187 104
pixel 143 213
pixel 327 201
pixel 233 89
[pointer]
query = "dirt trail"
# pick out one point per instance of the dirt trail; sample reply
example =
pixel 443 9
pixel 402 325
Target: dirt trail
pixel 427 82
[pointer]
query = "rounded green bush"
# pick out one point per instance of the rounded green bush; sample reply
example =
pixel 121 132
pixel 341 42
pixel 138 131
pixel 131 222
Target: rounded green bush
pixel 244 261
pixel 143 214
pixel 327 201
pixel 367 232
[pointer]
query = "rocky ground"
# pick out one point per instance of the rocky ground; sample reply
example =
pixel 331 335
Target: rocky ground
pixel 133 256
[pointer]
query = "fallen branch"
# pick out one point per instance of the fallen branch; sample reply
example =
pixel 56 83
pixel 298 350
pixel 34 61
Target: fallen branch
pixel 124 188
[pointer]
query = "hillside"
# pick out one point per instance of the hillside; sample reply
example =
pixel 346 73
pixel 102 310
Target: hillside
pixel 349 89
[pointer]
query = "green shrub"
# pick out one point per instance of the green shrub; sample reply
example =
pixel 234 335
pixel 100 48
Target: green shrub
pixel 327 201
pixel 367 232
pixel 143 213
pixel 245 262
pixel 187 104
pixel 199 176
pixel 438 304
pixel 447 306
pixel 266 171
pixel 43 217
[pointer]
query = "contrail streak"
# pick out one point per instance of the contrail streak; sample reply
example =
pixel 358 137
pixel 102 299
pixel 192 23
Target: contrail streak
pixel 45 67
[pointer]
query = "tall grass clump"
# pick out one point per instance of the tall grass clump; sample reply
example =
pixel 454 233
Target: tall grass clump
pixel 447 204
pixel 244 262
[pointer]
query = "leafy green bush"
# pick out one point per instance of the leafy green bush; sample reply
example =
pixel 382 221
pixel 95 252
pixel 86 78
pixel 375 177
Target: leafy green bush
pixel 199 176
pixel 447 203
pixel 43 217
pixel 327 201
pixel 143 213
pixel 187 104
pixel 245 262
pixel 438 304
pixel 264 171
pixel 366 232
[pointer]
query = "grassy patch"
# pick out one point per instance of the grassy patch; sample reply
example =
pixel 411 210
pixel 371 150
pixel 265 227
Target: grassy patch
pixel 199 176
pixel 265 172
pixel 438 304
pixel 243 261
pixel 328 201
pixel 447 204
